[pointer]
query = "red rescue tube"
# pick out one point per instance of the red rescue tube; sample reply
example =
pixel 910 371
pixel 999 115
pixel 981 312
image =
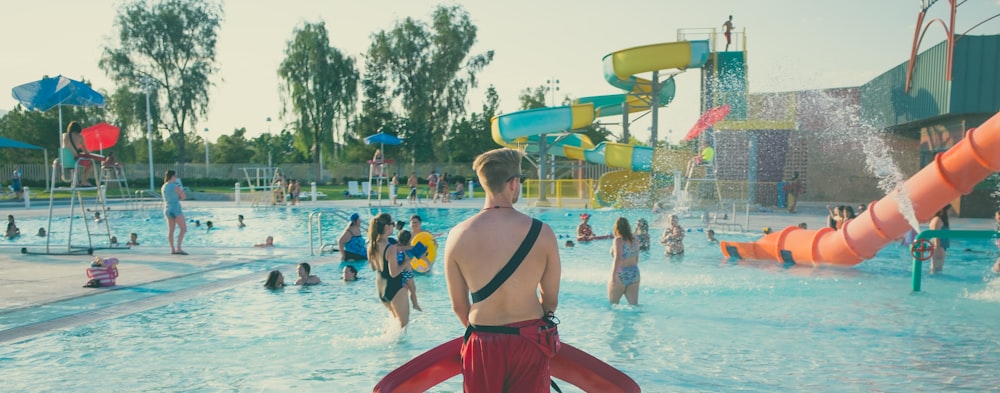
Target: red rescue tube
pixel 445 361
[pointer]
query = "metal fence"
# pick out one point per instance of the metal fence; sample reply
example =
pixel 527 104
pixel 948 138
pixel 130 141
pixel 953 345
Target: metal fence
pixel 138 173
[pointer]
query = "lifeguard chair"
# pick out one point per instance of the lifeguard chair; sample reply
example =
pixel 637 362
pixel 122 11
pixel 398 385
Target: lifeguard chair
pixel 703 174
pixel 68 161
pixel 376 176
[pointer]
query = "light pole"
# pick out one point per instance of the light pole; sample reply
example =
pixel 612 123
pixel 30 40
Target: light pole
pixel 206 152
pixel 147 85
pixel 551 86
pixel 269 141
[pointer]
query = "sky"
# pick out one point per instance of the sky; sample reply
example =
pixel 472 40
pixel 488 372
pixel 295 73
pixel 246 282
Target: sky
pixel 791 45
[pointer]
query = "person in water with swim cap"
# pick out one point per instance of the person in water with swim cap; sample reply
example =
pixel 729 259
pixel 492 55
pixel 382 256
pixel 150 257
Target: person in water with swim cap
pixel 511 329
pixel 584 232
pixel 352 242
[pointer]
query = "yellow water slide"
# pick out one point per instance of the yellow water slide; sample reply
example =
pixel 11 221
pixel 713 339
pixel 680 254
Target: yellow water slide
pixel 620 70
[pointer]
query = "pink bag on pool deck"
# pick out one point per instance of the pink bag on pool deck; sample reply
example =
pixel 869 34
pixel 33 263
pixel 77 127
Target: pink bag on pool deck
pixel 106 274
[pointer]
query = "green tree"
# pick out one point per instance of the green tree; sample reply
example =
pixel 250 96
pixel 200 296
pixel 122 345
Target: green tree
pixel 320 84
pixel 532 98
pixel 126 109
pixel 172 42
pixel 376 107
pixel 596 132
pixel 473 136
pixel 431 71
pixel 277 149
pixel 232 149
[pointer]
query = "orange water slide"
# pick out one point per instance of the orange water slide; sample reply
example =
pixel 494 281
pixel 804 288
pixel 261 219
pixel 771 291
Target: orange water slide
pixel 953 173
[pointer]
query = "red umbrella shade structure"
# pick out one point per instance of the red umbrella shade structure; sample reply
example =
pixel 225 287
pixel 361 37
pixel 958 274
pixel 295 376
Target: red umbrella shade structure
pixel 100 136
pixel 706 120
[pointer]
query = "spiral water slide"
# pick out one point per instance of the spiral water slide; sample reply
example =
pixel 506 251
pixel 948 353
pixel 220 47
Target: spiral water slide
pixel 953 173
pixel 620 69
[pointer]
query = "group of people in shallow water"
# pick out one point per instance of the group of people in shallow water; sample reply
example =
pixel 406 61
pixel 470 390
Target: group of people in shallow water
pixel 276 280
pixel 506 302
pixel 841 215
pixel 387 255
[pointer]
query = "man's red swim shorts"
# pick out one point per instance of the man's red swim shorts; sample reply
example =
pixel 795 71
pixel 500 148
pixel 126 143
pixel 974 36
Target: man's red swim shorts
pixel 509 362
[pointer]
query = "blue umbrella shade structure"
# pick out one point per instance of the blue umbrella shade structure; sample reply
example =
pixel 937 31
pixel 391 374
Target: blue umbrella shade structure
pixel 382 139
pixel 10 143
pixel 48 93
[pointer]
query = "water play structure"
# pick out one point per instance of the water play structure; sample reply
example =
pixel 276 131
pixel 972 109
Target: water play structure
pixel 620 70
pixel 443 362
pixel 951 174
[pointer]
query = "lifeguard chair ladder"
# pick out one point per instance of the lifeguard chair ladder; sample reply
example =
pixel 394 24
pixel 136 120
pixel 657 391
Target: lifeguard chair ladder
pixel 376 171
pixel 702 174
pixel 115 175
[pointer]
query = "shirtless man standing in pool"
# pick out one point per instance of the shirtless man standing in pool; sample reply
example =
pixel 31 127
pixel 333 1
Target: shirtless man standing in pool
pixel 512 273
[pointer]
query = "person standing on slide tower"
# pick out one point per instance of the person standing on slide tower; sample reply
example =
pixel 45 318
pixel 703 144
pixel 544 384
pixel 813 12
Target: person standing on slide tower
pixel 728 26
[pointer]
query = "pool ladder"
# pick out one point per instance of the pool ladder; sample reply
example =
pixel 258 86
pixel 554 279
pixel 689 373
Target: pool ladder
pixel 316 232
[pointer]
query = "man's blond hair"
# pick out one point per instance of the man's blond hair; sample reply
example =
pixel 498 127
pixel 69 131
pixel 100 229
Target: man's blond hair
pixel 496 167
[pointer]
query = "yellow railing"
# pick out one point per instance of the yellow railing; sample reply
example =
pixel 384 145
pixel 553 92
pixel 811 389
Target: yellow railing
pixel 559 193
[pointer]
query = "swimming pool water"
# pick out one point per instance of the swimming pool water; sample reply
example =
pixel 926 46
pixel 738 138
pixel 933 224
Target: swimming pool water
pixel 704 325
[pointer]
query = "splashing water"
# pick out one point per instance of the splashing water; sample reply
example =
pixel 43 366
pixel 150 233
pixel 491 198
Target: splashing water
pixel 879 163
pixel 845 126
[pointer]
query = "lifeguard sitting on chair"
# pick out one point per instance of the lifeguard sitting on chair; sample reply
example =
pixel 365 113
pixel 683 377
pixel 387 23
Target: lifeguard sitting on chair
pixel 74 150
pixel 706 156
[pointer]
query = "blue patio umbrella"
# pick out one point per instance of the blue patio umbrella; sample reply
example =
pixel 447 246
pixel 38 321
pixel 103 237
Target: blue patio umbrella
pixel 48 93
pixel 382 139
pixel 44 94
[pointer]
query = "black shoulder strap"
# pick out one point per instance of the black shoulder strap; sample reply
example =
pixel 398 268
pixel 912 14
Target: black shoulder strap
pixel 512 265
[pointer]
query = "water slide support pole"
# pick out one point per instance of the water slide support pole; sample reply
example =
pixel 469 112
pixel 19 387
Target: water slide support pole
pixel 752 171
pixel 655 99
pixel 542 149
pixel 655 91
pixel 624 122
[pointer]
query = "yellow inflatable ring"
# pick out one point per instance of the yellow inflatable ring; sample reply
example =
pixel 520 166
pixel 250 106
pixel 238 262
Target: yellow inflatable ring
pixel 423 265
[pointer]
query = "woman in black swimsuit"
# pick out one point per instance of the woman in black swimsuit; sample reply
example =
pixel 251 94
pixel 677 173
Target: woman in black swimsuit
pixel 389 280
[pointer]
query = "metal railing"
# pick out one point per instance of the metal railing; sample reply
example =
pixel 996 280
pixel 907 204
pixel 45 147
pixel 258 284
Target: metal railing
pixel 567 192
pixel 922 249
pixel 316 231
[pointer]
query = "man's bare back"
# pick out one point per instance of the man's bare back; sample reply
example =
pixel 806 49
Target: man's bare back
pixel 476 251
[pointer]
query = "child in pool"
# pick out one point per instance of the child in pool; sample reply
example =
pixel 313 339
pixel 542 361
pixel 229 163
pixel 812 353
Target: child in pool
pixel 642 234
pixel 12 229
pixel 403 258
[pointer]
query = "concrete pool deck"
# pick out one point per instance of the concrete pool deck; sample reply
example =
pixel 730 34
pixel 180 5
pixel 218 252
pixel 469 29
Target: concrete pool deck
pixel 34 283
